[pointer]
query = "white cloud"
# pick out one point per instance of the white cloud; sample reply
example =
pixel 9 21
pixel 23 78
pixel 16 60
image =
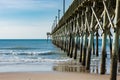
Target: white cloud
pixel 19 32
pixel 13 29
pixel 21 19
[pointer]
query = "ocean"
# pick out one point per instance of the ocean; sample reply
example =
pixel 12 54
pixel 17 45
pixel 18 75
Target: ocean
pixel 24 55
pixel 21 55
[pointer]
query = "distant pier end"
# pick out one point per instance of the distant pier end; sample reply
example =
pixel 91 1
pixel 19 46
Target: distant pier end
pixel 48 35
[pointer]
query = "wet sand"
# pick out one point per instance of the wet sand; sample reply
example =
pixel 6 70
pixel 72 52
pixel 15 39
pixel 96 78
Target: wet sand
pixel 53 76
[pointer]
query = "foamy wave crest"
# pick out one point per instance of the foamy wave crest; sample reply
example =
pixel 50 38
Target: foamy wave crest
pixel 18 60
pixel 33 53
pixel 16 52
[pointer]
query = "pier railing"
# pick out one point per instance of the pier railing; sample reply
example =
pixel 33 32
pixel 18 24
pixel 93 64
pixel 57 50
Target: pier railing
pixel 84 21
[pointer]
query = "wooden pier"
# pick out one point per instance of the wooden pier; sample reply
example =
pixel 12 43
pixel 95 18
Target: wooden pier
pixel 84 21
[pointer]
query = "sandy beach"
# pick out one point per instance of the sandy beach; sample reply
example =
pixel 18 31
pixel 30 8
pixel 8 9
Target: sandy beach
pixel 52 76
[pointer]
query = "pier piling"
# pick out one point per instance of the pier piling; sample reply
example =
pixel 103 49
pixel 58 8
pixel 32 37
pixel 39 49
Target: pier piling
pixel 114 60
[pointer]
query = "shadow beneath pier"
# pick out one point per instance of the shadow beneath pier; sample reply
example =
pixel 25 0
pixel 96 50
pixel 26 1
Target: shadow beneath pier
pixel 73 66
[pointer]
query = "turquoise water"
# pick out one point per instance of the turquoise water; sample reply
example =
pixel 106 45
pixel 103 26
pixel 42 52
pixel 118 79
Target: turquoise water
pixel 29 55
pixel 35 55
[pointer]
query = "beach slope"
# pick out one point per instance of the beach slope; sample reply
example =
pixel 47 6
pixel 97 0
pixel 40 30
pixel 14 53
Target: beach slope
pixel 53 76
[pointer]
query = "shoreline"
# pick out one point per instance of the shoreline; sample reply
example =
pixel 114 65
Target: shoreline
pixel 45 75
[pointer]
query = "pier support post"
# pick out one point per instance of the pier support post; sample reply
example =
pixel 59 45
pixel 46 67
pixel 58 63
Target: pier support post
pixel 91 38
pixel 85 40
pixel 97 35
pixel 67 38
pixel 72 41
pixel 113 74
pixel 69 41
pixel 76 46
pixel 72 47
pixel 70 38
pixel 81 45
pixel 110 46
pixel 76 35
pixel 81 36
pixel 104 40
pixel 84 50
pixel 119 49
pixel 103 59
pixel 64 37
pixel 93 48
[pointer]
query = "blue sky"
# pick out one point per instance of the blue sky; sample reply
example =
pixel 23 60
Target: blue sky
pixel 28 19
